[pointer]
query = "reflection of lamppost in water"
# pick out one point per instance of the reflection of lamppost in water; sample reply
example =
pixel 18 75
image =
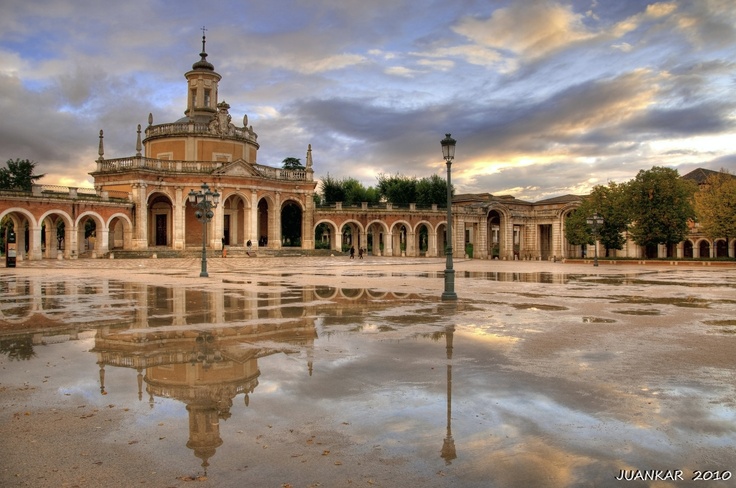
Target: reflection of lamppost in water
pixel 595 221
pixel 204 200
pixel 448 446
pixel 448 152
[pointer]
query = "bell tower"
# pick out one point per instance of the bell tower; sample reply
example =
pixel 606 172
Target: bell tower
pixel 202 83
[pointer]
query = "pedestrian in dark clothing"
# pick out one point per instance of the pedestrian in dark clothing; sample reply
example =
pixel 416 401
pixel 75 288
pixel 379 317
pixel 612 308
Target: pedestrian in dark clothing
pixel 352 252
pixel 360 253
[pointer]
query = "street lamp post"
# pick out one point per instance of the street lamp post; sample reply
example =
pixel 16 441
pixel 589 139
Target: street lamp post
pixel 448 152
pixel 595 221
pixel 204 201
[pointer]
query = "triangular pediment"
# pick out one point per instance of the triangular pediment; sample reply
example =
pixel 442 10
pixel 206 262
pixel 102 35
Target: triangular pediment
pixel 238 167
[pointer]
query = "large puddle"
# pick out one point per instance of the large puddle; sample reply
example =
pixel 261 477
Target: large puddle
pixel 267 383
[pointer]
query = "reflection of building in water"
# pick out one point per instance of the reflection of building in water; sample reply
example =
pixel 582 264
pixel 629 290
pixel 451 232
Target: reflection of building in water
pixel 202 347
pixel 198 347
pixel 203 368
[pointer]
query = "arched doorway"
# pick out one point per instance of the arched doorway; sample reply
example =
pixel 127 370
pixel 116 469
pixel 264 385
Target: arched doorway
pixel 350 236
pixel 375 244
pixel 687 249
pixel 262 225
pixel 422 241
pixel 160 220
pixel 291 224
pixel 442 239
pixel 398 239
pixel 235 221
pixel 704 248
pixel 89 229
pixel 324 236
pixel 53 235
pixel 721 248
pixel 495 237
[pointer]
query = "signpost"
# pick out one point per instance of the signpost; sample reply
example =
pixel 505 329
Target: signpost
pixel 11 250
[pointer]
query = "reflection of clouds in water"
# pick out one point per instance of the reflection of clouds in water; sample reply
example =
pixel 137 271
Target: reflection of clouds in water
pixel 485 335
pixel 512 420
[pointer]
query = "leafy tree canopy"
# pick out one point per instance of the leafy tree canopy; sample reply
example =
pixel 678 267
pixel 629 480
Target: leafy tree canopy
pixel 609 203
pixel 660 205
pixel 292 163
pixel 715 206
pixel 18 175
pixel 432 190
pixel 347 190
pixel 397 189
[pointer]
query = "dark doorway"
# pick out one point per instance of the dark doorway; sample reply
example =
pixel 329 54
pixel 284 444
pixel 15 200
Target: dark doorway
pixel 226 231
pixel 160 230
pixel 545 241
pixel 291 225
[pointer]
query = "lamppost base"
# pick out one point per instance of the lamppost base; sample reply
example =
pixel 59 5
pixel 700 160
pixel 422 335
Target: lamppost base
pixel 204 274
pixel 449 293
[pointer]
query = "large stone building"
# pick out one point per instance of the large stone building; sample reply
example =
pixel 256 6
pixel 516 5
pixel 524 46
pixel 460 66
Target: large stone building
pixel 205 146
pixel 140 203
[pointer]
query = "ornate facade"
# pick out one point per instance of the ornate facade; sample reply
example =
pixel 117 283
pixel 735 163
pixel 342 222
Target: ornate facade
pixel 205 146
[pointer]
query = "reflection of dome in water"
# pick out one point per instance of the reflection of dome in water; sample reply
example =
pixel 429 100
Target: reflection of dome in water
pixel 204 432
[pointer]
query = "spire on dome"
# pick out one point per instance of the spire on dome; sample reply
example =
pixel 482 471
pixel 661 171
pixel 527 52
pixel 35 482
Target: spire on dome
pixel 203 63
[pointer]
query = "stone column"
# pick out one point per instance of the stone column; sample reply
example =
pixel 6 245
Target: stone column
pixel 308 223
pixel 140 239
pixel 432 244
pixel 217 224
pixel 102 242
pixel 35 245
pixel 179 224
pixel 274 223
pixel 252 227
pixel 338 241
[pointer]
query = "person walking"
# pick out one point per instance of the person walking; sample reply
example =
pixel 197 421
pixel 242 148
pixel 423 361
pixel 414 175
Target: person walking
pixel 249 244
pixel 360 253
pixel 352 252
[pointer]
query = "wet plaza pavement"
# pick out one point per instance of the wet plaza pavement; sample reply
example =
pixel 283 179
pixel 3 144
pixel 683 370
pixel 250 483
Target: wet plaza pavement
pixel 306 372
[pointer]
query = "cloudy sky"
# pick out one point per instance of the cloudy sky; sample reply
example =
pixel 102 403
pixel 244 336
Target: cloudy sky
pixel 544 97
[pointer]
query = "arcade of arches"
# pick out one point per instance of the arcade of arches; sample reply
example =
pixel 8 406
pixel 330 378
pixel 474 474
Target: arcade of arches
pixel 139 203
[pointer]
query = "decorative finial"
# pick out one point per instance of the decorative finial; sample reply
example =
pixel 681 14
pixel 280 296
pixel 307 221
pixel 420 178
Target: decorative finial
pixel 203 63
pixel 101 150
pixel 138 143
pixel 150 118
pixel 309 156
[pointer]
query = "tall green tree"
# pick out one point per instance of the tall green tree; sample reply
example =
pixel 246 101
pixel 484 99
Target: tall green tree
pixel 577 231
pixel 18 175
pixel 715 206
pixel 661 206
pixel 349 191
pixel 292 163
pixel 431 190
pixel 332 190
pixel 609 202
pixel 397 189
